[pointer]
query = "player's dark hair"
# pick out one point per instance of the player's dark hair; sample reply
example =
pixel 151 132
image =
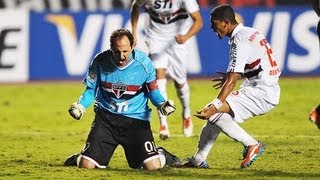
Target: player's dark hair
pixel 119 33
pixel 223 12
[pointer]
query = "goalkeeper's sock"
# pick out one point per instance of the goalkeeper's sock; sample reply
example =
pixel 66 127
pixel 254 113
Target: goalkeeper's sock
pixel 184 97
pixel 208 136
pixel 162 159
pixel 233 130
pixel 78 160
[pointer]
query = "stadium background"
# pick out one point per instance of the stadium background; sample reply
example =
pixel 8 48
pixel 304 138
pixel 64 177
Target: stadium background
pixel 56 39
pixel 42 40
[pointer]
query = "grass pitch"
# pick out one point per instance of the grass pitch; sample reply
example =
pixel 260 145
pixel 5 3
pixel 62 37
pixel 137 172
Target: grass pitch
pixel 37 135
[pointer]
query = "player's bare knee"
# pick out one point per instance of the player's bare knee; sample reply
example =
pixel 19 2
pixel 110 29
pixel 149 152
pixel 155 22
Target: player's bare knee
pixel 84 163
pixel 153 164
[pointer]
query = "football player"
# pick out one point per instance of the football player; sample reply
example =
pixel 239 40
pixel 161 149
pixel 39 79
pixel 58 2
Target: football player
pixel 251 58
pixel 171 24
pixel 120 81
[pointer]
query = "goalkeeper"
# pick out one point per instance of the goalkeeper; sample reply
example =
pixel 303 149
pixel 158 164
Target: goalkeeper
pixel 121 80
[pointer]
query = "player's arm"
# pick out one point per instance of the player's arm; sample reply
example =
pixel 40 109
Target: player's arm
pixel 77 109
pixel 134 16
pixel 165 107
pixel 229 85
pixel 219 104
pixel 154 93
pixel 194 29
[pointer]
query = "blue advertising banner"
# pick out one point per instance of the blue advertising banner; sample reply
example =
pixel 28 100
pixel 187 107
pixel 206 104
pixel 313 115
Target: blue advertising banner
pixel 62 45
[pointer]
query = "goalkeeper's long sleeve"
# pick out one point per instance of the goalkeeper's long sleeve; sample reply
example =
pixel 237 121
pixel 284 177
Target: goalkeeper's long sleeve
pixel 87 97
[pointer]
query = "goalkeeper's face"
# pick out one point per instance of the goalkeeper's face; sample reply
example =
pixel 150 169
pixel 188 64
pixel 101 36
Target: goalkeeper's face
pixel 121 51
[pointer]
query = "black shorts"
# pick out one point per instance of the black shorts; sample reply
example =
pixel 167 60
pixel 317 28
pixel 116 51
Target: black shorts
pixel 109 130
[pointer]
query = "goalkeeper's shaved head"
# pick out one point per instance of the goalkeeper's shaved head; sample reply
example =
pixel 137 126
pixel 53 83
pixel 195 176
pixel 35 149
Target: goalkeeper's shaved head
pixel 223 12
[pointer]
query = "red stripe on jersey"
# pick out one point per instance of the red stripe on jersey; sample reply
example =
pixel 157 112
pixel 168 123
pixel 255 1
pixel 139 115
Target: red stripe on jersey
pixel 128 87
pixel 106 85
pixel 152 85
pixel 252 65
pixel 132 88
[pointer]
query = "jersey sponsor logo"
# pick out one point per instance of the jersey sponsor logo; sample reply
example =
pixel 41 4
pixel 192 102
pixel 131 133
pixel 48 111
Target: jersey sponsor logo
pixel 158 4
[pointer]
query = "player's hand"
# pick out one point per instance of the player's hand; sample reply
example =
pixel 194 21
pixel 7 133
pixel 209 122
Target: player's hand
pixel 206 112
pixel 181 39
pixel 167 108
pixel 76 110
pixel 219 81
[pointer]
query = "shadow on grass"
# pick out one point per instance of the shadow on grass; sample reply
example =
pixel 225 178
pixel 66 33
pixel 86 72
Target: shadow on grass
pixel 193 173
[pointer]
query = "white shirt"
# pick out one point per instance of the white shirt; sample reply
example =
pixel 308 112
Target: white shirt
pixel 168 18
pixel 251 55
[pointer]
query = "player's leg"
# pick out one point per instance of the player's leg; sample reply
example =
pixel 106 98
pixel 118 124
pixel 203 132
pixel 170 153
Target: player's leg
pixel 162 85
pixel 314 116
pixel 244 104
pixel 208 136
pixel 183 94
pixel 139 145
pixel 252 148
pixel 101 142
pixel 233 130
pixel 178 72
pixel 160 62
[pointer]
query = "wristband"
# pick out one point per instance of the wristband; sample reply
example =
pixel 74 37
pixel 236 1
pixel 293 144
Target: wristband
pixel 217 103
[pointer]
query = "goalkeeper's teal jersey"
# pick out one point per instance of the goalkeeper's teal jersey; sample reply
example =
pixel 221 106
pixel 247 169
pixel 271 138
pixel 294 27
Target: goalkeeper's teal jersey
pixel 122 90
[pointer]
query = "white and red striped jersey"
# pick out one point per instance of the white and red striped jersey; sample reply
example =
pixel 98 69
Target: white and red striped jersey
pixel 252 56
pixel 168 17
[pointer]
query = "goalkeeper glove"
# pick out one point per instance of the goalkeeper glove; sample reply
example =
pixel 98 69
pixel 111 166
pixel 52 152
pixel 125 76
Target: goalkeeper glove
pixel 76 110
pixel 167 108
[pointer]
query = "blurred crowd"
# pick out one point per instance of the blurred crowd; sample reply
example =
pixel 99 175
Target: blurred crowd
pixel 94 5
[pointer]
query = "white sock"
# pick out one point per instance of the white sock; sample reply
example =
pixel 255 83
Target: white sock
pixel 233 130
pixel 184 97
pixel 78 160
pixel 162 159
pixel 208 136
pixel 162 83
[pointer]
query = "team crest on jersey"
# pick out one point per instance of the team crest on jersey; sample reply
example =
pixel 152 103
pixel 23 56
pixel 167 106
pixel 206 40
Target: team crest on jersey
pixel 119 89
pixel 91 77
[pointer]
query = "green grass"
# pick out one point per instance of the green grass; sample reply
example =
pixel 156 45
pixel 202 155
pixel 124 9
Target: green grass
pixel 37 135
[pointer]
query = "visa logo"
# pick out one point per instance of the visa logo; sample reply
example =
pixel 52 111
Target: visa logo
pixel 78 49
